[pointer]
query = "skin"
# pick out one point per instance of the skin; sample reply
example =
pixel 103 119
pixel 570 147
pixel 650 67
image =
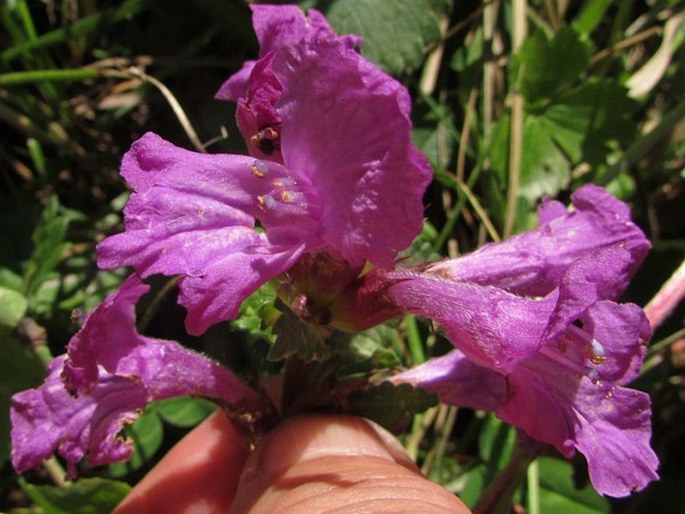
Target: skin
pixel 313 464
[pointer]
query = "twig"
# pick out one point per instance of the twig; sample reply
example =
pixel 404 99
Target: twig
pixel 624 44
pixel 482 214
pixel 466 133
pixel 516 136
pixel 157 303
pixel 170 98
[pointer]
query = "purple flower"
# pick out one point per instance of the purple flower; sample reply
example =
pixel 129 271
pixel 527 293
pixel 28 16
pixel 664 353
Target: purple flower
pixel 107 377
pixel 348 166
pixel 256 88
pixel 541 340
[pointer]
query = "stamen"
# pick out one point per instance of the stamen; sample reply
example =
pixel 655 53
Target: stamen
pixel 267 202
pixel 570 364
pixel 260 168
pixel 294 197
pixel 598 353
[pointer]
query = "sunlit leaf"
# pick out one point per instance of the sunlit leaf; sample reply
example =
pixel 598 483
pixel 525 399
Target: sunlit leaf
pixel 85 496
pixel 395 32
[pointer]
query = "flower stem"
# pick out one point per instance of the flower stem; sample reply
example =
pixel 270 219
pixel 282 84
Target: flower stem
pixel 418 355
pixel 667 299
pixel 497 497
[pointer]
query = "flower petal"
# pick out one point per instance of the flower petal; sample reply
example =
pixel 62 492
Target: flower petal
pixel 49 419
pixel 280 25
pixel 457 381
pixel 194 214
pixel 610 425
pixel 346 129
pixel 492 327
pixel 623 331
pixel 533 262
pixel 110 373
pixel 277 26
pixel 598 276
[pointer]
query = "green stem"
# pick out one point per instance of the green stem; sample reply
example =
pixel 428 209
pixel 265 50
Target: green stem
pixel 80 27
pixel 533 488
pixel 519 8
pixel 418 354
pixel 41 76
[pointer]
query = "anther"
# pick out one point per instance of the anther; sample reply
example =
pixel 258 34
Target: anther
pixel 597 351
pixel 260 168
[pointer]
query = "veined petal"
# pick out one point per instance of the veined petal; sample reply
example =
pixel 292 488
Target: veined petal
pixel 277 26
pixel 280 25
pixel 48 419
pixel 598 276
pixel 346 130
pixel 492 327
pixel 194 214
pixel 110 373
pixel 623 331
pixel 231 278
pixel 608 424
pixel 236 85
pixel 457 381
pixel 533 262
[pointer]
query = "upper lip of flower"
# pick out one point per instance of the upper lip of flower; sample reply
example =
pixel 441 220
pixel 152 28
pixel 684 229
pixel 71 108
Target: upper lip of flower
pixel 343 174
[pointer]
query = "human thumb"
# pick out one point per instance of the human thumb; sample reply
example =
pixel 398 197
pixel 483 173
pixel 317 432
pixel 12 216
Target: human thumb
pixel 335 463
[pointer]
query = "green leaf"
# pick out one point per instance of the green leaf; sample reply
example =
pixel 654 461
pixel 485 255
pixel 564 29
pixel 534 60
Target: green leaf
pixel 545 169
pixel 258 313
pixel 468 56
pixel 184 411
pixel 559 495
pixel 392 406
pixel 147 433
pixel 587 120
pixel 296 337
pixel 545 66
pixel 13 307
pixel 366 351
pixel 85 496
pixel 497 442
pixel 48 245
pixel 591 15
pixel 395 32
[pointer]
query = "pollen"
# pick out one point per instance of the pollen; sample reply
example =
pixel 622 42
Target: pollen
pixel 286 196
pixel 260 168
pixel 598 354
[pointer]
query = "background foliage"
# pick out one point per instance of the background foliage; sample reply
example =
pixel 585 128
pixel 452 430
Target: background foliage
pixel 514 100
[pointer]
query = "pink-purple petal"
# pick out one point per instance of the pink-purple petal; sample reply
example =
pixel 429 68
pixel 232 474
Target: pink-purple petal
pixel 533 262
pixel 277 26
pixel 456 380
pixel 346 129
pixel 49 419
pixel 108 376
pixel 609 425
pixel 493 327
pixel 231 278
pixel 194 214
